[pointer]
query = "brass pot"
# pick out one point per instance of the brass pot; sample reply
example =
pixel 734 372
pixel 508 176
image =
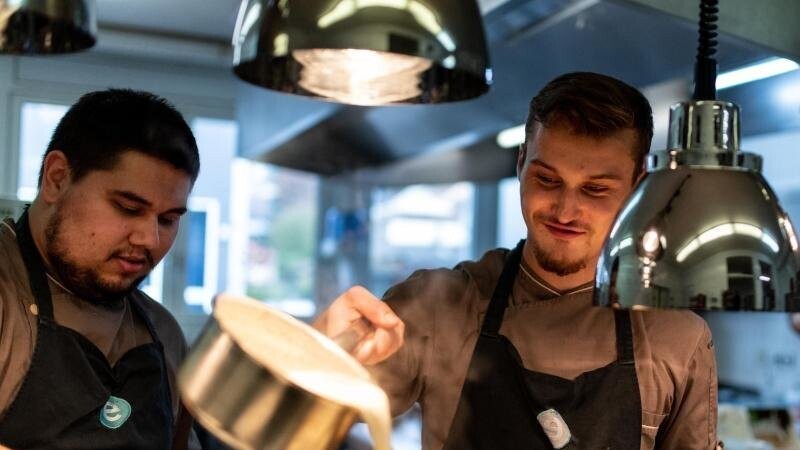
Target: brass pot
pixel 241 381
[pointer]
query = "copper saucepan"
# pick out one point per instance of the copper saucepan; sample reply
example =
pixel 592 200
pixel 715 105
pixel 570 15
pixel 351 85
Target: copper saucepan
pixel 259 379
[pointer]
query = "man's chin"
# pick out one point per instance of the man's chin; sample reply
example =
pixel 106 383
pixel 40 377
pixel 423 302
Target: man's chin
pixel 558 264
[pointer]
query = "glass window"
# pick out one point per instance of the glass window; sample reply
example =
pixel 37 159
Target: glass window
pixel 153 285
pixel 37 123
pixel 273 236
pixel 420 226
pixel 202 252
pixel 510 226
pixel 204 244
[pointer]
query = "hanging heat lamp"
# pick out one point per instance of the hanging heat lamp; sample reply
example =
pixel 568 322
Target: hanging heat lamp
pixel 364 52
pixel 29 27
pixel 703 230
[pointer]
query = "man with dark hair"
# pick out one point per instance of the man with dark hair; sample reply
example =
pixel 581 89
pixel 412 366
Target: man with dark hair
pixel 86 359
pixel 507 352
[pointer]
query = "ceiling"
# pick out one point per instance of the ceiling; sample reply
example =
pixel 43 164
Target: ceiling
pixel 207 20
pixel 211 20
pixel 530 42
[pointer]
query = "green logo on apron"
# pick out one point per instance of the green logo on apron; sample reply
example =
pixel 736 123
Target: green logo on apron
pixel 115 412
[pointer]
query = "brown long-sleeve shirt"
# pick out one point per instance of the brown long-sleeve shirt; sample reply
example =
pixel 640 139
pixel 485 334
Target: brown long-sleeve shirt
pixel 556 333
pixel 112 332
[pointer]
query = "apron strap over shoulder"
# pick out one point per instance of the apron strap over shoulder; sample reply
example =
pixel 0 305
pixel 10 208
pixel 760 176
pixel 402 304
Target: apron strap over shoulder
pixel 622 320
pixel 499 301
pixel 36 271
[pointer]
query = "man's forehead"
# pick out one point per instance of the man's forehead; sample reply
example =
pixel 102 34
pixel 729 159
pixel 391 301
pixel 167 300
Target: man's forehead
pixel 561 149
pixel 146 179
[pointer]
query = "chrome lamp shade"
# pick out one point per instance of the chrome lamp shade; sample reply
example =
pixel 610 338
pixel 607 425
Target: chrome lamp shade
pixel 703 230
pixel 46 26
pixel 364 52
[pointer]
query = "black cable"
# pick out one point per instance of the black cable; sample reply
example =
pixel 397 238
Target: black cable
pixel 705 68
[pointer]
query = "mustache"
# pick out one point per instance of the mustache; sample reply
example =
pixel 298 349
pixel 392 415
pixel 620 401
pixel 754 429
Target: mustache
pixel 543 217
pixel 135 254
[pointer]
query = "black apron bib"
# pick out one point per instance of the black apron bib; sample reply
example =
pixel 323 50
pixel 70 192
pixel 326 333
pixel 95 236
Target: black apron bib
pixel 71 398
pixel 500 400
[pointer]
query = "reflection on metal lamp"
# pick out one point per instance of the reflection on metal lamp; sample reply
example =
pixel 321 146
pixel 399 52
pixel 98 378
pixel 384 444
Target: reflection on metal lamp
pixel 46 26
pixel 703 230
pixel 364 52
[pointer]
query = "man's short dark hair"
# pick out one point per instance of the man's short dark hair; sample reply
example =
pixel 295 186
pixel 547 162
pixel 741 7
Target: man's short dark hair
pixel 103 125
pixel 594 105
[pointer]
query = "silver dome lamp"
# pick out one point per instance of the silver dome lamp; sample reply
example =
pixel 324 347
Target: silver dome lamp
pixel 703 230
pixel 29 27
pixel 364 52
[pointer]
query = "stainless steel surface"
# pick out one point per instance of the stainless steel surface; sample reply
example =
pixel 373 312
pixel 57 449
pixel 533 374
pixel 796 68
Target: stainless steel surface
pixel 703 134
pixel 528 47
pixel 704 230
pixel 442 42
pixel 250 406
pixel 704 127
pixel 47 26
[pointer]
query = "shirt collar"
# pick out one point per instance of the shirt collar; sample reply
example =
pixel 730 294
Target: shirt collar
pixel 541 289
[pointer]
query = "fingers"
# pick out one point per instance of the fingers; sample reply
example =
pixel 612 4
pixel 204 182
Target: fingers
pixel 369 306
pixel 358 302
pixel 380 345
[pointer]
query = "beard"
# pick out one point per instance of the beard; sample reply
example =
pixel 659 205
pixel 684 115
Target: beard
pixel 85 282
pixel 555 259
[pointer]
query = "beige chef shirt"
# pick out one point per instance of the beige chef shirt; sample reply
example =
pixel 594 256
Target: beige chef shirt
pixel 560 334
pixel 112 332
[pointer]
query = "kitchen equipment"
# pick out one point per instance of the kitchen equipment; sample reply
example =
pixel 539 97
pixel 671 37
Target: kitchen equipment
pixel 46 26
pixel 259 379
pixel 704 230
pixel 364 52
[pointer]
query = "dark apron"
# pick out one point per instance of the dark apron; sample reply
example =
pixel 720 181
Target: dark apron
pixel 71 398
pixel 501 399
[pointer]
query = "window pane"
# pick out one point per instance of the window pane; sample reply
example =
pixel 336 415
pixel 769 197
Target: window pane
pixel 416 227
pixel 205 245
pixel 37 122
pixel 510 226
pixel 153 285
pixel 273 236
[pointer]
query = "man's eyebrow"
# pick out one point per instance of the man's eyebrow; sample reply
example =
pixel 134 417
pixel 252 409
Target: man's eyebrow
pixel 539 162
pixel 144 202
pixel 606 176
pixel 601 176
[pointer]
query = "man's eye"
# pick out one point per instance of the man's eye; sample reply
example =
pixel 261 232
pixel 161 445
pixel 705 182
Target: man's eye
pixel 595 189
pixel 544 179
pixel 127 209
pixel 167 221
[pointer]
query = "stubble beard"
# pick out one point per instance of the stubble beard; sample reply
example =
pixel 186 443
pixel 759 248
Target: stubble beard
pixel 85 282
pixel 555 259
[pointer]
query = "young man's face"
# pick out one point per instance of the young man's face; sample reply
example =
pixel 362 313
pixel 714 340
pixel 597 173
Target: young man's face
pixel 571 187
pixel 111 227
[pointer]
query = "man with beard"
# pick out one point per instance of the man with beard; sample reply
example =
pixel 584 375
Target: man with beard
pixel 507 352
pixel 86 359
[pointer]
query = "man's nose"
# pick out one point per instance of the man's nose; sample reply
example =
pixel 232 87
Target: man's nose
pixel 145 233
pixel 568 205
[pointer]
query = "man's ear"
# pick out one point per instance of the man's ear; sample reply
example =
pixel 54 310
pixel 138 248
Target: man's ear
pixel 640 177
pixel 521 154
pixel 56 176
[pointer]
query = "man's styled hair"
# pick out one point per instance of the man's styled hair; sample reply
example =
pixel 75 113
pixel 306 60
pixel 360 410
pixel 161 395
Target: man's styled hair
pixel 103 125
pixel 594 105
